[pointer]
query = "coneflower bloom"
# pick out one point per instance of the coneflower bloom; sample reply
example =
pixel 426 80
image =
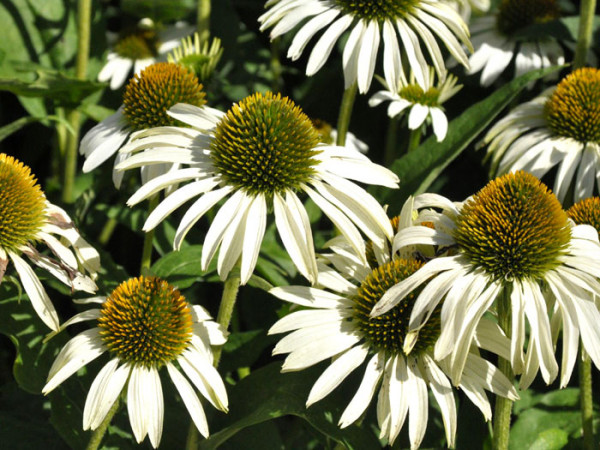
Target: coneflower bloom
pixel 561 127
pixel 138 48
pixel 262 153
pixel 496 42
pixel 405 26
pixel 420 103
pixel 145 325
pixel 334 322
pixel 512 238
pixel 146 100
pixel 27 218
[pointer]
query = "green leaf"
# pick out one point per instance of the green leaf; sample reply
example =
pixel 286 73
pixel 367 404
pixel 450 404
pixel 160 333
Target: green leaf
pixel 418 169
pixel 96 112
pixel 15 126
pixel 243 349
pixel 267 394
pixel 550 439
pixel 532 423
pixel 54 85
pixel 20 323
pixel 182 268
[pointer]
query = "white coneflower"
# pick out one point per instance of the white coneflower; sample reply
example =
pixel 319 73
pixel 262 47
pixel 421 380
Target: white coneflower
pixel 147 98
pixel 334 322
pixel 145 325
pixel 26 217
pixel 496 44
pixel 139 47
pixel 405 25
pixel 421 103
pixel 262 153
pixel 559 127
pixel 202 59
pixel 512 238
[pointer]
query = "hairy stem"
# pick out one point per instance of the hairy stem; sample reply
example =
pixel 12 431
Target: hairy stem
pixel 584 39
pixel 586 402
pixel 84 17
pixel 503 408
pixel 345 114
pixel 99 432
pixel 148 238
pixel 203 19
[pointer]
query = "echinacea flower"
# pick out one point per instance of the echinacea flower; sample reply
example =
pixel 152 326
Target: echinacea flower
pixel 146 100
pixel 139 47
pixel 421 103
pixel 201 59
pixel 513 239
pixel 334 322
pixel 145 324
pixel 405 25
pixel 496 42
pixel 262 153
pixel 559 127
pixel 26 218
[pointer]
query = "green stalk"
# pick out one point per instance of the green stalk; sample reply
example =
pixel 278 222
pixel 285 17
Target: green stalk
pixel 585 393
pixel 503 408
pixel 203 20
pixel 277 84
pixel 390 141
pixel 84 18
pixel 584 39
pixel 99 432
pixel 228 297
pixel 345 113
pixel 148 238
pixel 414 139
pixel 107 231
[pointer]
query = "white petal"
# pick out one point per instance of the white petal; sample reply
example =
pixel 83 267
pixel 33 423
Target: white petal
pixel 103 141
pixel 104 391
pixel 336 373
pixel 440 123
pixel 418 405
pixel 192 215
pixel 365 391
pixel 392 64
pixel 350 55
pixel 324 45
pixel 159 183
pixel 253 235
pixel 418 114
pixel 295 234
pixel 190 399
pixel 309 29
pixel 306 296
pixel 367 55
pixel 205 377
pixel 442 391
pixel 79 351
pixel 37 294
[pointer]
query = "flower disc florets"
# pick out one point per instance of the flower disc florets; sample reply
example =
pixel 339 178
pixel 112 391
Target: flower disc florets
pixel 516 14
pixel 265 144
pixel 151 93
pixel 415 94
pixel 388 331
pixel 573 110
pixel 146 321
pixel 22 204
pixel 513 228
pixel 137 44
pixel 379 10
pixel 586 212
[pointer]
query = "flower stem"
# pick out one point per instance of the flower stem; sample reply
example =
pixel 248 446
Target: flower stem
pixel 503 408
pixel 414 139
pixel 586 19
pixel 84 17
pixel 390 141
pixel 345 113
pixel 228 297
pixel 203 20
pixel 107 231
pixel 585 393
pixel 277 83
pixel 148 238
pixel 99 432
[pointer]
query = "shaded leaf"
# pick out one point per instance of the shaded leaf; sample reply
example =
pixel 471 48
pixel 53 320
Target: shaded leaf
pixel 551 439
pixel 53 85
pixel 267 394
pixel 20 323
pixel 182 268
pixel 563 29
pixel 159 10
